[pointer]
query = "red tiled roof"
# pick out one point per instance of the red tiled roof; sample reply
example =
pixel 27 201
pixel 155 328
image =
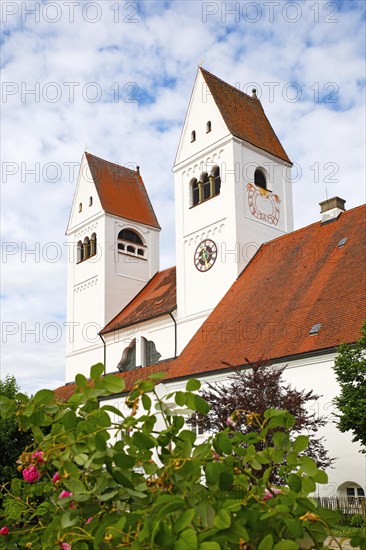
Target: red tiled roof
pixel 244 116
pixel 157 298
pixel 293 283
pixel 121 191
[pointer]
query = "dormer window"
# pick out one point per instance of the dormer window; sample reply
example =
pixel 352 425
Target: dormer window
pixel 80 207
pixel 193 136
pixel 128 236
pixel 208 126
pixel 260 179
pixel 128 361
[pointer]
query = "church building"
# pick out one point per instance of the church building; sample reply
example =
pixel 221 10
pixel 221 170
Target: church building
pixel 246 285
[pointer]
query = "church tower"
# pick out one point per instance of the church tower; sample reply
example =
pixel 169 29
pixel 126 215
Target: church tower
pixel 233 193
pixel 113 242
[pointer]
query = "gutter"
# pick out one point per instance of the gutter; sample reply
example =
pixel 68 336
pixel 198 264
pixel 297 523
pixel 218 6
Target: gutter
pixel 175 335
pixel 104 353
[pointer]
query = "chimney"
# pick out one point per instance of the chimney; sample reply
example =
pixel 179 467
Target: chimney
pixel 331 208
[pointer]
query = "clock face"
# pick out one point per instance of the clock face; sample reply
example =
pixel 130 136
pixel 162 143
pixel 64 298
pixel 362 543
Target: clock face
pixel 205 255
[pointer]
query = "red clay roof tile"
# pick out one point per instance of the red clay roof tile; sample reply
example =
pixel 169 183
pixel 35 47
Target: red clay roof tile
pixel 244 116
pixel 121 191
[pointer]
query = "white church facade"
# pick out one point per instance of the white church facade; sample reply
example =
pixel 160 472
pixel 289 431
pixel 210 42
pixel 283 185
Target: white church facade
pixel 246 285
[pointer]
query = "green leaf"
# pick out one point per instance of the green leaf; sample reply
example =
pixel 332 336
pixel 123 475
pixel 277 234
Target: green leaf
pixel 113 384
pixel 7 407
pixel 282 441
pixel 286 545
pixel 226 481
pixel 222 520
pixel 96 371
pixel 225 443
pixel 184 520
pixel 205 515
pixel 43 397
pixel 266 543
pixel 294 482
pixel 308 465
pixel 123 461
pixel 81 381
pixel 212 472
pixel 320 477
pixel 143 441
pixel 146 402
pixel 301 443
pixel 69 518
pixel 209 546
pixel 180 398
pixel 193 385
pixel 187 541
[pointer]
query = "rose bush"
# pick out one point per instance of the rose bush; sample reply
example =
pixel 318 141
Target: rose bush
pixel 143 481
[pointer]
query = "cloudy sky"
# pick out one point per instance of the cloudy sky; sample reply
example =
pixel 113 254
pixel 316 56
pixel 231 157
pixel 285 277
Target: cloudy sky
pixel 115 78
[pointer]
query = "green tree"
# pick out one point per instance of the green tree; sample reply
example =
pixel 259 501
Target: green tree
pixel 144 481
pixel 249 392
pixel 350 369
pixel 12 440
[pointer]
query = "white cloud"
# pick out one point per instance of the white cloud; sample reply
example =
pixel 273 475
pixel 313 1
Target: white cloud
pixel 159 54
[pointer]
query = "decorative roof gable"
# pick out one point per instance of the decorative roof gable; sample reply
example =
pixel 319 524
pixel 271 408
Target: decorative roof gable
pixel 244 116
pixel 121 191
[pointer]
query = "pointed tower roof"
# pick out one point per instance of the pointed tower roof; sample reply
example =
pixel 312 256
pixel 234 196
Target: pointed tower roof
pixel 244 116
pixel 121 191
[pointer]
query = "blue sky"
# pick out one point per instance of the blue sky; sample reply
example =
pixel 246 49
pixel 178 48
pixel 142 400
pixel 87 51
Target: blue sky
pixel 116 78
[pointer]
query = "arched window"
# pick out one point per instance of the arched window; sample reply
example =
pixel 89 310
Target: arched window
pixel 130 236
pixel 208 126
pixel 217 180
pixel 128 361
pixel 90 201
pixel 260 179
pixel 131 248
pixel 93 245
pixel 206 186
pixel 86 247
pixel 80 207
pixel 193 136
pixel 79 252
pixel 195 192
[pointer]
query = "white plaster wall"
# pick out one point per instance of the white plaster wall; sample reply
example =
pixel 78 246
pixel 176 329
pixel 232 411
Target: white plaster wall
pixel 161 331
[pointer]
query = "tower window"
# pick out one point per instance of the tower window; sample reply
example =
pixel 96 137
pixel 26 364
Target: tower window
pixel 80 207
pixel 206 186
pixel 195 192
pixel 208 126
pixel 93 245
pixel 193 136
pixel 217 180
pixel 86 247
pixel 90 201
pixel 260 179
pixel 79 252
pixel 130 236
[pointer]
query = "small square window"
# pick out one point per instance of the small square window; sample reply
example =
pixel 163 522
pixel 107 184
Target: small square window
pixel 350 491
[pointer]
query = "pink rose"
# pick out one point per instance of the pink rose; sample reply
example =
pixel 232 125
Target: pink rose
pixel 231 423
pixel 65 546
pixel 89 520
pixel 31 474
pixel 268 494
pixel 56 478
pixel 65 494
pixel 38 455
pixel 4 530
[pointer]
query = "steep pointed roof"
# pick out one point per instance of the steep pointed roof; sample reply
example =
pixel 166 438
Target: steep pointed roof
pixel 121 191
pixel 244 116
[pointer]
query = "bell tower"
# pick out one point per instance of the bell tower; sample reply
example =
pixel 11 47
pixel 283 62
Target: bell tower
pixel 233 192
pixel 113 243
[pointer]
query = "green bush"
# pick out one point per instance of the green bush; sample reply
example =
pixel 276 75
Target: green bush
pixel 153 485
